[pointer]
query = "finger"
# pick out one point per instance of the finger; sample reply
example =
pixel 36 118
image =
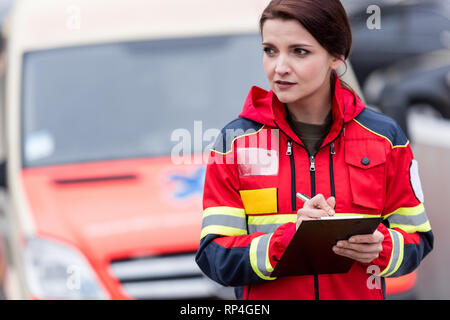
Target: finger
pixel 362 260
pixel 316 201
pixel 377 236
pixel 364 248
pixel 332 202
pixel 319 201
pixel 312 213
pixel 365 238
pixel 367 248
pixel 355 255
pixel 304 218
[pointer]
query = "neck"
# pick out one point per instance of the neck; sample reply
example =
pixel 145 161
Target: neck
pixel 313 109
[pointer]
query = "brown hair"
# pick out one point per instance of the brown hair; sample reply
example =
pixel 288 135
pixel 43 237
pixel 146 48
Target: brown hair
pixel 325 20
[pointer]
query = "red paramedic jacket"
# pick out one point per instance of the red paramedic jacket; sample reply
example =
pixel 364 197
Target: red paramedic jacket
pixel 254 171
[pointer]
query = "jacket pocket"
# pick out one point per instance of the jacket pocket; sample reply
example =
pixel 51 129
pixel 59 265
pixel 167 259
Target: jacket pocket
pixel 260 201
pixel 366 162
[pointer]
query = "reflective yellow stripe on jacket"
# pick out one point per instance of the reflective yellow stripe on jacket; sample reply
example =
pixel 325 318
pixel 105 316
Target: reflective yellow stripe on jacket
pixel 409 219
pixel 269 223
pixel 396 255
pixel 226 221
pixel 259 256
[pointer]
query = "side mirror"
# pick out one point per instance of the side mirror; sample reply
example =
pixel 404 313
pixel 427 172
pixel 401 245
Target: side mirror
pixel 3 175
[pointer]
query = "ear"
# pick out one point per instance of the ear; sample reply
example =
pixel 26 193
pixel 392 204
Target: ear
pixel 336 62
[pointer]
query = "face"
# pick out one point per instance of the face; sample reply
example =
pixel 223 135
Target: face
pixel 296 65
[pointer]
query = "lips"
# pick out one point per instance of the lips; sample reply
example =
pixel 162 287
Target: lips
pixel 285 82
pixel 284 85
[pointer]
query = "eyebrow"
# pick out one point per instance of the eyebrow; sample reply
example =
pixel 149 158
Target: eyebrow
pixel 291 46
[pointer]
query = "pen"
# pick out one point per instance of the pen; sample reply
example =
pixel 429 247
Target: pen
pixel 302 197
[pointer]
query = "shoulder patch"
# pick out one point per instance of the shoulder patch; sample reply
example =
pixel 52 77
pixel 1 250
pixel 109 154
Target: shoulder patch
pixel 383 126
pixel 237 128
pixel 414 179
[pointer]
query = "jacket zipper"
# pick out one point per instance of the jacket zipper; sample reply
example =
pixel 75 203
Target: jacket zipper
pixel 290 153
pixel 312 173
pixel 332 187
pixel 312 169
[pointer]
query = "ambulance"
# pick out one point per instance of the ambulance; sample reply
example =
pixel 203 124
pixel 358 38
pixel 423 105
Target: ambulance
pixel 109 108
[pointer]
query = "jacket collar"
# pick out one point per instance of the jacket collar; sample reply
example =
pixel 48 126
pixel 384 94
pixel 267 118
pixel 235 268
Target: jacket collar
pixel 264 107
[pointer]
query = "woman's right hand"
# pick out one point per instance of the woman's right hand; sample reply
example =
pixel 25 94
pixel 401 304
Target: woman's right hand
pixel 315 208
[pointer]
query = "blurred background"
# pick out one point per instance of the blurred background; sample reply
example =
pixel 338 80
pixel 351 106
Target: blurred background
pixel 98 96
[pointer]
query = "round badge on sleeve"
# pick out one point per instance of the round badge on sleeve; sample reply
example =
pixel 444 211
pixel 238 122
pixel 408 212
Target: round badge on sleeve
pixel 415 180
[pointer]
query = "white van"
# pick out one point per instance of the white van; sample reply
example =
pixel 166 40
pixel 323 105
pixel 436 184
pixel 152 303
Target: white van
pixel 94 206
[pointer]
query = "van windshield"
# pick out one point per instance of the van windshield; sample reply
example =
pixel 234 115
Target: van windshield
pixel 124 100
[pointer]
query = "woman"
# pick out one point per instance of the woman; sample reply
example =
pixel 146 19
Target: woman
pixel 309 134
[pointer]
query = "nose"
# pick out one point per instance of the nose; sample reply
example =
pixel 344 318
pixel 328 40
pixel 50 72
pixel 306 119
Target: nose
pixel 282 66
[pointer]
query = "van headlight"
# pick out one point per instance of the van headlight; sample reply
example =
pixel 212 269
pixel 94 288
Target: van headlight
pixel 56 271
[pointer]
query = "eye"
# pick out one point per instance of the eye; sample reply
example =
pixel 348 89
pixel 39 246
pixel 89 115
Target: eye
pixel 301 52
pixel 268 50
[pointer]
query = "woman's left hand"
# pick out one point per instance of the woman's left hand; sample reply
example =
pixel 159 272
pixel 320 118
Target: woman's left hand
pixel 362 248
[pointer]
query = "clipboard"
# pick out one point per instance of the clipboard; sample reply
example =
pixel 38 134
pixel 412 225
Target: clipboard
pixel 310 250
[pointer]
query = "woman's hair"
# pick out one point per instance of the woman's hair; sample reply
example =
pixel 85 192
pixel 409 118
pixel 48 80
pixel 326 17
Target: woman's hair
pixel 325 20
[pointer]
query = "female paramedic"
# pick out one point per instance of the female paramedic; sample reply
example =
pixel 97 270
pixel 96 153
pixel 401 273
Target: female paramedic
pixel 310 134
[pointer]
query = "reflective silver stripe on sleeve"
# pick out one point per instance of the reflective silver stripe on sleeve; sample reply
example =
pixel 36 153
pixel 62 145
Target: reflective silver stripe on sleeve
pixel 224 220
pixel 395 253
pixel 412 220
pixel 261 254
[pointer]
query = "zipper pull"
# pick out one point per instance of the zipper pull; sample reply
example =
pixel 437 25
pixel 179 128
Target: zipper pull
pixel 332 148
pixel 289 148
pixel 312 164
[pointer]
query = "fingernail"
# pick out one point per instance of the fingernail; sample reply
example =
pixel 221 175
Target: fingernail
pixel 332 212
